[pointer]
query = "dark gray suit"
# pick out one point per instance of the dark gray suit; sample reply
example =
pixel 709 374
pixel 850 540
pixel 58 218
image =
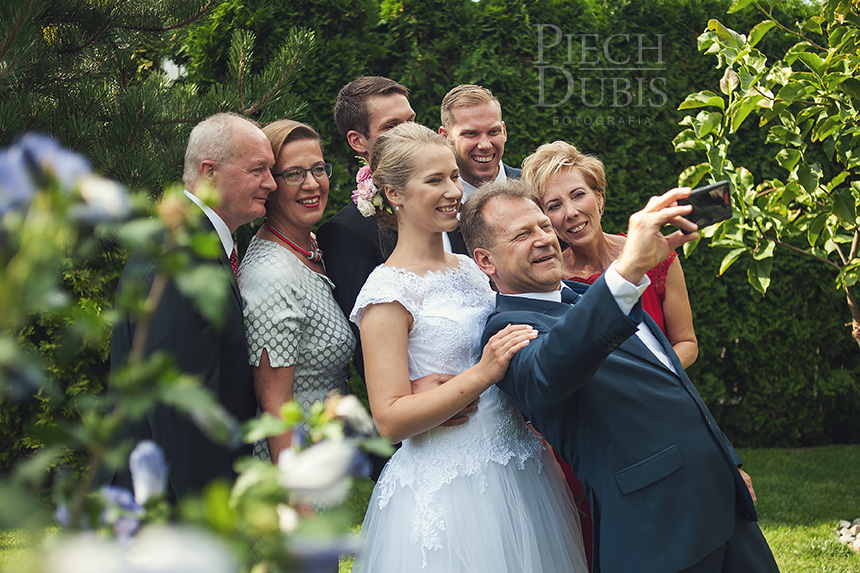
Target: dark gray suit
pixel 218 356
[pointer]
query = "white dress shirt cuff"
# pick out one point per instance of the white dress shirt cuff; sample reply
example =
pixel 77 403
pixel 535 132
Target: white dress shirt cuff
pixel 625 293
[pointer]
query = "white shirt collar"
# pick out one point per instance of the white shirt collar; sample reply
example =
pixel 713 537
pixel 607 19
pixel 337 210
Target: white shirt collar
pixel 552 296
pixel 220 226
pixel 468 188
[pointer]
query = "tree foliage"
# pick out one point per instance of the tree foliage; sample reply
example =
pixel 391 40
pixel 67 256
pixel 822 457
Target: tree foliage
pixel 808 101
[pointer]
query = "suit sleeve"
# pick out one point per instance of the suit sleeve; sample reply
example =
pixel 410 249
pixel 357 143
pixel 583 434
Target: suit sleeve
pixel 349 260
pixel 567 351
pixel 195 345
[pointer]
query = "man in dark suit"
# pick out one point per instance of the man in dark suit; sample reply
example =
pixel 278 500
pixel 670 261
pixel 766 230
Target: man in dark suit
pixel 354 245
pixel 604 387
pixel 234 157
pixel 472 121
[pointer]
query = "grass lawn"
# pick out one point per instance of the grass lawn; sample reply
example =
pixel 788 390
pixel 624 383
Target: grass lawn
pixel 802 494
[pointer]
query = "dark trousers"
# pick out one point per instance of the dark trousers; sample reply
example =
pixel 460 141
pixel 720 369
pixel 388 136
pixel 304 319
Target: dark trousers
pixel 746 551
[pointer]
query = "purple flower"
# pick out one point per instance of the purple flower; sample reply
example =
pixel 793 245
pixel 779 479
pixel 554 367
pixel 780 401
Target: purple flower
pixel 148 471
pixel 45 156
pixel 16 185
pixel 121 512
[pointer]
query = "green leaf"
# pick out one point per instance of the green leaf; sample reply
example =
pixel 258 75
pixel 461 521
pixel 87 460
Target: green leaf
pixel 729 82
pixel 741 109
pixel 693 174
pixel 687 141
pixel 758 274
pixel 793 91
pixel 707 122
pixel 739 5
pixel 207 286
pixel 788 158
pixel 812 61
pixel 826 128
pixel 815 229
pixel 813 24
pixel 851 86
pixel 808 176
pixel 797 49
pixel 263 427
pixel 727 36
pixel 844 205
pixel 759 30
pixel 702 99
pixel 730 258
pixel 764 251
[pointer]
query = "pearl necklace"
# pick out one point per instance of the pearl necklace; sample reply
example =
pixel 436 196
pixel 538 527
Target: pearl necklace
pixel 314 255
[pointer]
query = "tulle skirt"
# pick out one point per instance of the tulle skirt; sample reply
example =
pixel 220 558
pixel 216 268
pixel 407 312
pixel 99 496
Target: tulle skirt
pixel 505 519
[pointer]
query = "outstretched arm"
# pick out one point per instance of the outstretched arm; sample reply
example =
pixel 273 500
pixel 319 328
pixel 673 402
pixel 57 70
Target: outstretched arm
pixel 678 317
pixel 397 412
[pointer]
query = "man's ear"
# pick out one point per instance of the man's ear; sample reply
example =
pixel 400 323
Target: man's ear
pixel 207 169
pixel 443 132
pixel 504 131
pixel 484 259
pixel 358 142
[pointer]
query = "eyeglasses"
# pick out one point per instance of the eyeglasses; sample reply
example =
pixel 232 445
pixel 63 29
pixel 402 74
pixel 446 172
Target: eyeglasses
pixel 296 175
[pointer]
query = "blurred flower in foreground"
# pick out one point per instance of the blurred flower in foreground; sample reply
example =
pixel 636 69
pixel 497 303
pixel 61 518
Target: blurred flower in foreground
pixel 148 471
pixel 30 162
pixel 319 474
pixel 155 550
pixel 121 512
pixel 350 409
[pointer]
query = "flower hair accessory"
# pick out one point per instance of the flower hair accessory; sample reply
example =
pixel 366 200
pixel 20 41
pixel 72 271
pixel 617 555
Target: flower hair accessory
pixel 366 196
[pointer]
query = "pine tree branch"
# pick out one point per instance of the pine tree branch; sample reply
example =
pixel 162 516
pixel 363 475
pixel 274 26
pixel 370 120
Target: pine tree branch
pixel 277 87
pixel 16 29
pixel 181 24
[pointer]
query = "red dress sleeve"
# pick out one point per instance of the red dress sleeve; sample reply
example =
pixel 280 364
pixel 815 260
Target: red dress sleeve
pixel 654 295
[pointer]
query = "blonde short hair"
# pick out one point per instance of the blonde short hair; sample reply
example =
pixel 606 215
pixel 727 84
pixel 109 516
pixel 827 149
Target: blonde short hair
pixel 395 158
pixel 465 95
pixel 284 131
pixel 551 158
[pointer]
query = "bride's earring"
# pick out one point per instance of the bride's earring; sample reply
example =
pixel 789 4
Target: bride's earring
pixel 397 207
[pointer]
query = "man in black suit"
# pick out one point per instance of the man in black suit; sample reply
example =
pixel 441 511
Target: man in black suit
pixel 472 121
pixel 234 157
pixel 354 245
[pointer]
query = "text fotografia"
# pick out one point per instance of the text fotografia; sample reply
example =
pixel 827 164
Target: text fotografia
pixel 600 120
pixel 621 70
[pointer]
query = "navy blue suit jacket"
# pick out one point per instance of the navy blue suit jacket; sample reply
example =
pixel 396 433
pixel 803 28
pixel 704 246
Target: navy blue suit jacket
pixel 660 475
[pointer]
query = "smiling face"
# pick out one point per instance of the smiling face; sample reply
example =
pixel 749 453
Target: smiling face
pixel 432 195
pixel 383 113
pixel 299 207
pixel 525 256
pixel 479 135
pixel 244 183
pixel 573 206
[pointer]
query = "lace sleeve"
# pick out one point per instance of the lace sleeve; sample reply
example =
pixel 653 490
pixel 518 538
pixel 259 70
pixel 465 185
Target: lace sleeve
pixel 658 275
pixel 385 284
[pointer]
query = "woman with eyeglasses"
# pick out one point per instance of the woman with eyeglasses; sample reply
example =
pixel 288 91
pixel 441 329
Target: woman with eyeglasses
pixel 299 341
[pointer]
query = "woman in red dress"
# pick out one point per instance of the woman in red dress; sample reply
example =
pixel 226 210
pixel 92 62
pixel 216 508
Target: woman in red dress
pixel 572 190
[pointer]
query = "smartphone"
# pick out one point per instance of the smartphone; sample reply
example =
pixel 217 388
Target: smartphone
pixel 711 204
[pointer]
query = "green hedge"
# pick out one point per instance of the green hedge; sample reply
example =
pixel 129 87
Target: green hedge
pixel 776 370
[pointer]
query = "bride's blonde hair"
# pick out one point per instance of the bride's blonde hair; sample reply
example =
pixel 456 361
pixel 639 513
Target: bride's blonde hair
pixel 395 158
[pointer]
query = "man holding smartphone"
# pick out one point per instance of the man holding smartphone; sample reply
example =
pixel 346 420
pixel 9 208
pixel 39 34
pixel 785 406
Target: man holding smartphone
pixel 603 386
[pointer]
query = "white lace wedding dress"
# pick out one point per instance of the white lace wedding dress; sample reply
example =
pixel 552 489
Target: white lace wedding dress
pixel 481 497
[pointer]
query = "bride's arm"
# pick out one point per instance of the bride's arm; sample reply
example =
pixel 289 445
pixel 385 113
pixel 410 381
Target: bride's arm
pixel 397 412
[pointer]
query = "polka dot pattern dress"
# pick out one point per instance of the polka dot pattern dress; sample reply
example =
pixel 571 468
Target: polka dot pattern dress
pixel 291 313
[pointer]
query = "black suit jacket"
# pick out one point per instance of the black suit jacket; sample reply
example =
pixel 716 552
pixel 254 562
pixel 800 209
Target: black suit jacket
pixel 218 356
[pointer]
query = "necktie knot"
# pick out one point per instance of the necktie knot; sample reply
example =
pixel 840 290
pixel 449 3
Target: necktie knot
pixel 568 295
pixel 234 262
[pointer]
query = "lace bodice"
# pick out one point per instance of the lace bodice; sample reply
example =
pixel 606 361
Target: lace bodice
pixel 449 309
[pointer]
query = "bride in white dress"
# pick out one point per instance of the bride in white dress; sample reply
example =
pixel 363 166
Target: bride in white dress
pixel 479 497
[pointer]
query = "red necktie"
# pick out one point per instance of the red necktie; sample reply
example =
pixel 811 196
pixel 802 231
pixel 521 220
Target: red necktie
pixel 234 262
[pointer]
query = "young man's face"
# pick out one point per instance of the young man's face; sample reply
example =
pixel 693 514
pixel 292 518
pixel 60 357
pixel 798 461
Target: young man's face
pixel 479 137
pixel 384 112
